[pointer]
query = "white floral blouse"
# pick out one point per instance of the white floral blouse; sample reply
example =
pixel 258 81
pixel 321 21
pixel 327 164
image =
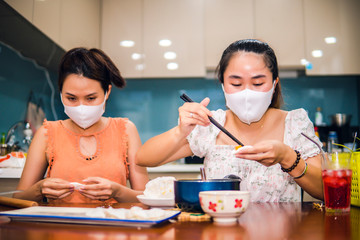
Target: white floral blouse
pixel 266 184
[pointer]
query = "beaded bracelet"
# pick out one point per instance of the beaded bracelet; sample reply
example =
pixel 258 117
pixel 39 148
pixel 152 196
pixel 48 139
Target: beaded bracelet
pixel 303 173
pixel 295 163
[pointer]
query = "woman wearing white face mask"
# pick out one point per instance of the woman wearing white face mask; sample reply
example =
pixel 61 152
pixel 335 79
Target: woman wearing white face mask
pixel 88 157
pixel 277 160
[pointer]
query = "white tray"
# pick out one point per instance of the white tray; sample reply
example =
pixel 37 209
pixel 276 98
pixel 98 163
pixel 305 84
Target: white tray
pixel 78 215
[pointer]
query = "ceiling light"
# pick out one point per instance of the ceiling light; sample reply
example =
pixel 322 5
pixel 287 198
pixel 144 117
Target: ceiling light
pixel 127 43
pixel 172 66
pixel 136 56
pixel 165 42
pixel 304 61
pixel 317 53
pixel 330 40
pixel 139 67
pixel 169 55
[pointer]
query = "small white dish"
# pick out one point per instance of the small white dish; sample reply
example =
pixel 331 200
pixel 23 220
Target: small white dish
pixel 156 202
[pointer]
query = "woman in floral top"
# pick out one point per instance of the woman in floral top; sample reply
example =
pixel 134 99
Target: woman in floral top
pixel 276 161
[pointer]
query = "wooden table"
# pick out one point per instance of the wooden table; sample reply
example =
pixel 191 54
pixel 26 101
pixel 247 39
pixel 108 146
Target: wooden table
pixel 260 221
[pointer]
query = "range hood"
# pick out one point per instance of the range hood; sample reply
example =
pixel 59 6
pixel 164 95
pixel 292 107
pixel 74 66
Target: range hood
pixel 22 35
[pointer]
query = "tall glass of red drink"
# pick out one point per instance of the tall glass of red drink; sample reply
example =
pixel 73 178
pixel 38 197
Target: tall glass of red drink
pixel 336 175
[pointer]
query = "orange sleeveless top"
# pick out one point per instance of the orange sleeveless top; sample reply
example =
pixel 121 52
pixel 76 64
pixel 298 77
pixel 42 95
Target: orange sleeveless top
pixel 67 162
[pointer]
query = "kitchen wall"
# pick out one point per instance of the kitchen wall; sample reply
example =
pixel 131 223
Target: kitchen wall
pixel 18 77
pixel 152 104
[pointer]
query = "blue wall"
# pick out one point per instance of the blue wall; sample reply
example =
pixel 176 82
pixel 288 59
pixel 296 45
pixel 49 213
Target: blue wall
pixel 152 104
pixel 18 77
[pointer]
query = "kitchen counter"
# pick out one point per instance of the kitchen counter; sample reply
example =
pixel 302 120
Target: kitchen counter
pixel 10 172
pixel 166 168
pixel 9 177
pixel 176 168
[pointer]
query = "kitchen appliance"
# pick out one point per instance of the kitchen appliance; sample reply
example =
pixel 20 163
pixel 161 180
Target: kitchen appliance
pixel 345 134
pixel 19 136
pixel 340 119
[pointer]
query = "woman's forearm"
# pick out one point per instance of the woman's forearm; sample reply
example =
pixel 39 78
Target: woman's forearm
pixel 311 182
pixel 163 148
pixel 32 194
pixel 125 194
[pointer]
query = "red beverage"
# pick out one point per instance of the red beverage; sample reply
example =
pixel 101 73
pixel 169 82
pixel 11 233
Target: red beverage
pixel 337 188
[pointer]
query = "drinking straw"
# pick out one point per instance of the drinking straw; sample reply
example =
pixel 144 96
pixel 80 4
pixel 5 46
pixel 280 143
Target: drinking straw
pixel 353 146
pixel 321 151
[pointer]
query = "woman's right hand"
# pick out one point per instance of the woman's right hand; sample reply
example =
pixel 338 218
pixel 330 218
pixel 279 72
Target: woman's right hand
pixel 192 114
pixel 56 188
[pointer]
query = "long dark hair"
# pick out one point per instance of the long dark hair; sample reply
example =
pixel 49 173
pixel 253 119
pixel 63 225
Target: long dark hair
pixel 259 47
pixel 91 63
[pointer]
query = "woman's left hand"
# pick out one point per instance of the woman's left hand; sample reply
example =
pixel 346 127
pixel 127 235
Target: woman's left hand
pixel 98 188
pixel 268 153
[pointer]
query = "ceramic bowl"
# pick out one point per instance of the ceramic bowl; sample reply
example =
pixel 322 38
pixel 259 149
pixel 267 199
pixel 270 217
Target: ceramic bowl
pixel 224 206
pixel 187 191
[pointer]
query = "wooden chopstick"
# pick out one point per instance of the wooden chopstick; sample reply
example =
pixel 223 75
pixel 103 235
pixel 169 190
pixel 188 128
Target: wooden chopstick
pixel 186 98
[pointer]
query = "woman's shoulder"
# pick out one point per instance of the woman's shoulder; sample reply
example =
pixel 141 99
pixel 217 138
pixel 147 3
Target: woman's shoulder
pixel 219 115
pixel 50 125
pixel 297 116
pixel 298 112
pixel 48 128
pixel 124 123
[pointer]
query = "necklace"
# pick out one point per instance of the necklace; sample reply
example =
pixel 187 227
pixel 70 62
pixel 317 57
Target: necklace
pixel 89 156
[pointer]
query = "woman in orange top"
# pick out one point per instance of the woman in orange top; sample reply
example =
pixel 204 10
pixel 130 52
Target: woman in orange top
pixel 86 158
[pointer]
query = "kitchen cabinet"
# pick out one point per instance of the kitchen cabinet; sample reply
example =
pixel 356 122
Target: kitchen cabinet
pixel 181 22
pixel 280 23
pixel 80 23
pixel 25 8
pixel 332 18
pixel 224 23
pixel 68 23
pixel 46 17
pixel 145 23
pixel 122 21
pixel 200 30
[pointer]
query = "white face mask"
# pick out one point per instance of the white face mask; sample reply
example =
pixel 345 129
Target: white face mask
pixel 249 105
pixel 83 115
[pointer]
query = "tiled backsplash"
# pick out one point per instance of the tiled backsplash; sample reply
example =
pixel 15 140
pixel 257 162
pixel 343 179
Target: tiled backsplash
pixel 152 104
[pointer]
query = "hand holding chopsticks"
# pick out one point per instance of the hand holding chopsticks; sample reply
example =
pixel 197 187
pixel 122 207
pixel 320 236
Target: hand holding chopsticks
pixel 213 121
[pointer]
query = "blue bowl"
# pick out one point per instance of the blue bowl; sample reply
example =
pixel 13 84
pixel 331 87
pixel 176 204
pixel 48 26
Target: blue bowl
pixel 187 191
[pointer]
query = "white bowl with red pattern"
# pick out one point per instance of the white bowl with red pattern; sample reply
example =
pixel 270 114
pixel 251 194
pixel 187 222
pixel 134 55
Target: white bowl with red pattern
pixel 224 206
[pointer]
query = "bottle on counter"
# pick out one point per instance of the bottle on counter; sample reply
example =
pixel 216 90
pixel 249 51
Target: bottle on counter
pixel 332 138
pixel 318 117
pixel 28 137
pixel 3 138
pixel 316 129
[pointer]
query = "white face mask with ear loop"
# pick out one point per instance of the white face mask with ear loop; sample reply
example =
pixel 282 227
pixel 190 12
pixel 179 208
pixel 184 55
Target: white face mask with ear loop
pixel 83 115
pixel 249 105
